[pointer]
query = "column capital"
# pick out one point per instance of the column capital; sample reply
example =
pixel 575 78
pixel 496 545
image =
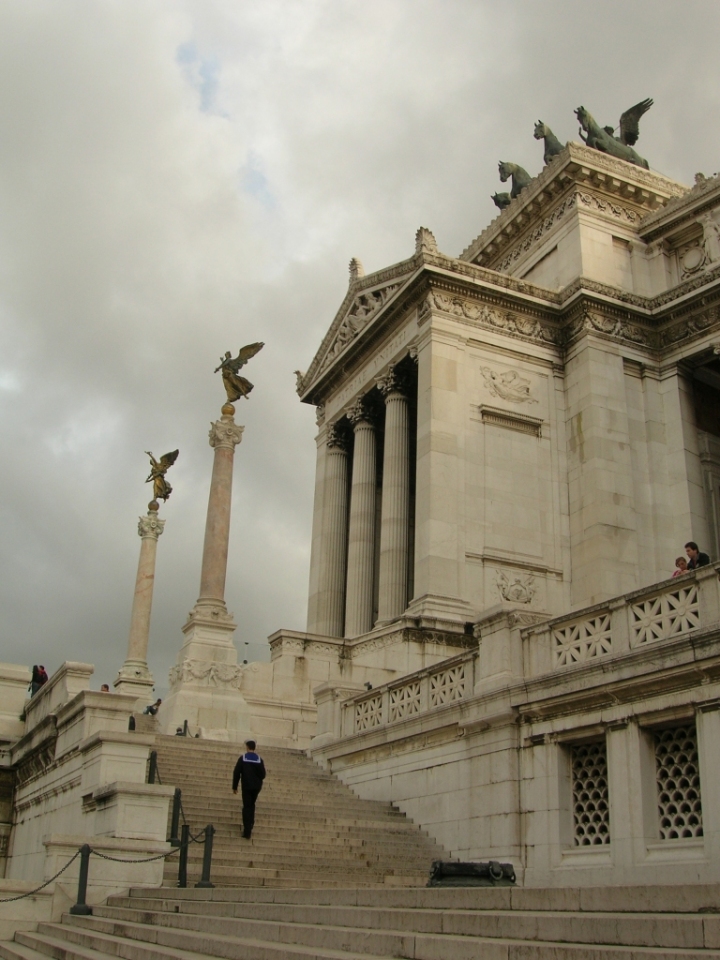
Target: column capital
pixel 225 433
pixel 360 413
pixel 336 438
pixel 393 382
pixel 150 526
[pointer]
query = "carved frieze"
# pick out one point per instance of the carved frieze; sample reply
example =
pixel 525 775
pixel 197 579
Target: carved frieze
pixel 505 321
pixel 206 673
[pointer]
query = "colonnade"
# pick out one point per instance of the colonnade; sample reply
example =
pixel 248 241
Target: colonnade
pixel 348 550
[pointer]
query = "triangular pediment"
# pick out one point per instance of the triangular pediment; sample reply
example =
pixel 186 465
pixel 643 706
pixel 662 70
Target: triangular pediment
pixel 360 308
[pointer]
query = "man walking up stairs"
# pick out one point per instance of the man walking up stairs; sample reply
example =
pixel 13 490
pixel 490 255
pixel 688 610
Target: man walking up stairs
pixel 249 772
pixel 310 829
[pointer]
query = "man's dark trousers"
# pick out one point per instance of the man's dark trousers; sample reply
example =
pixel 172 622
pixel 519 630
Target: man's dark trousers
pixel 249 798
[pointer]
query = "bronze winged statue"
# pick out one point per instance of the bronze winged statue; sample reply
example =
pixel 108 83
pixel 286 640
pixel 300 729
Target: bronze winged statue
pixel 158 469
pixel 604 139
pixel 235 385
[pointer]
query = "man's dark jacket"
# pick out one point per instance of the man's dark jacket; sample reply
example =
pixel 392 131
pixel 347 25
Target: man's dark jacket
pixel 702 560
pixel 250 771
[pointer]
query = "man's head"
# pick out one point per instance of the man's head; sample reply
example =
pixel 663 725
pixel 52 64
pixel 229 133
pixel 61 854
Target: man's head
pixel 692 549
pixel 104 688
pixel 250 744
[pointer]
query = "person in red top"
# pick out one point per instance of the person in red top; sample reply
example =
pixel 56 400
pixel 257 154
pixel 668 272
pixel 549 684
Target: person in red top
pixel 249 772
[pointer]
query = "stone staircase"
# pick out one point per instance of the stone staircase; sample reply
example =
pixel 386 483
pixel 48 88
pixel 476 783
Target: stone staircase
pixel 310 829
pixel 663 923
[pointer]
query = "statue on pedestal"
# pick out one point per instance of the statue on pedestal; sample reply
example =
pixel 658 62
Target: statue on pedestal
pixel 235 385
pixel 158 469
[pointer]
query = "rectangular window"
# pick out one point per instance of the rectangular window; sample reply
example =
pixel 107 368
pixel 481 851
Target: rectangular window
pixel 591 808
pixel 678 782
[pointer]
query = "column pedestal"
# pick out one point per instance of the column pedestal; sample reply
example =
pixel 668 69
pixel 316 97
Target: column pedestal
pixel 206 679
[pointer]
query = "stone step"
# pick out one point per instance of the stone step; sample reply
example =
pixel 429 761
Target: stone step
pixel 702 899
pixel 264 940
pixel 610 929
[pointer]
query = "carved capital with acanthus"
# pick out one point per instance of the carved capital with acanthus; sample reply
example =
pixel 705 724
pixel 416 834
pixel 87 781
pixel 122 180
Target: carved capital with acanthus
pixel 225 433
pixel 337 438
pixel 150 526
pixel 393 382
pixel 360 412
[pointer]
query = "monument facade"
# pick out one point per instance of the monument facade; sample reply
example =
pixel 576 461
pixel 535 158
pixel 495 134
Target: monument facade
pixel 539 416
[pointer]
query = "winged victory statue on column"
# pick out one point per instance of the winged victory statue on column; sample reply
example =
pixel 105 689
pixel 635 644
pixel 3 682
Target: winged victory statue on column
pixel 235 385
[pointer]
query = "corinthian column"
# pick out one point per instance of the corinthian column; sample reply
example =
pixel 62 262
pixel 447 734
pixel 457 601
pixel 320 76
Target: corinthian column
pixel 361 533
pixel 395 516
pixel 225 435
pixel 334 547
pixel 134 676
pixel 208 653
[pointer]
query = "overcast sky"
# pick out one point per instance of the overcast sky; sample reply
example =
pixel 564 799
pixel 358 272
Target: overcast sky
pixel 180 178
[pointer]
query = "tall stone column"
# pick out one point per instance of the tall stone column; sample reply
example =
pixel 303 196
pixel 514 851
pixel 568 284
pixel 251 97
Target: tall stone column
pixel 134 676
pixel 204 681
pixel 361 532
pixel 331 605
pixel 395 516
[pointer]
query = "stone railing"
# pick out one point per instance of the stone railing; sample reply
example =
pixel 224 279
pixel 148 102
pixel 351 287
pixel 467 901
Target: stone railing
pixel 416 694
pixel 672 608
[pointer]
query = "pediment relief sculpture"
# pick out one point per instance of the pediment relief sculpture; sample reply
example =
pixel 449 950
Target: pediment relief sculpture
pixel 364 306
pixel 508 385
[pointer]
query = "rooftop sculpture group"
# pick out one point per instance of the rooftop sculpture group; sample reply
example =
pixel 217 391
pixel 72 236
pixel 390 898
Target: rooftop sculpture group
pixel 591 133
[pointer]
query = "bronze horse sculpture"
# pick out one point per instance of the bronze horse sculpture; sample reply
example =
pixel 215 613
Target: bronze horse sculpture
pixel 552 145
pixel 501 200
pixel 603 138
pixel 520 178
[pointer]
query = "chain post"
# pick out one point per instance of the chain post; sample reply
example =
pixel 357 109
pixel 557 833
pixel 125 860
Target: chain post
pixel 152 772
pixel 184 846
pixel 207 857
pixel 81 909
pixel 175 823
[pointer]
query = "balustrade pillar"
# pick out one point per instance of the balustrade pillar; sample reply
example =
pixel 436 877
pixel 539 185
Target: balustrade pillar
pixel 361 533
pixel 331 612
pixel 395 517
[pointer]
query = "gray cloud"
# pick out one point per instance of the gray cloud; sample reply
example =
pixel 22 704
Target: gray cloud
pixel 177 179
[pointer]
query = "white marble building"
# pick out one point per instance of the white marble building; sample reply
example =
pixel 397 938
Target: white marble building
pixel 514 446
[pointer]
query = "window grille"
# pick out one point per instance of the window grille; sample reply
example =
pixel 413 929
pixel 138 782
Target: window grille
pixel 678 782
pixel 591 808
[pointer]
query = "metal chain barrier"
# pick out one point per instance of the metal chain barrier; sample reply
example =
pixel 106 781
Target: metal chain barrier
pixel 42 886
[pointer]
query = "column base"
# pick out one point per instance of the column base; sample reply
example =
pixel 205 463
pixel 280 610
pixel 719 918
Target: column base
pixel 205 681
pixel 134 679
